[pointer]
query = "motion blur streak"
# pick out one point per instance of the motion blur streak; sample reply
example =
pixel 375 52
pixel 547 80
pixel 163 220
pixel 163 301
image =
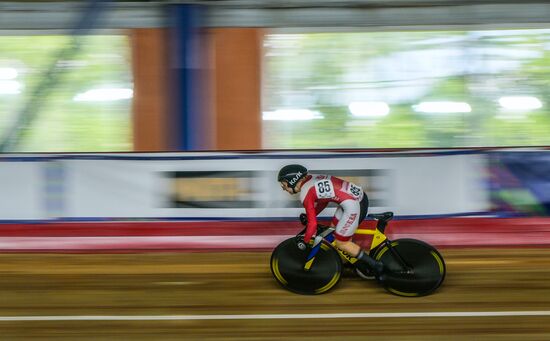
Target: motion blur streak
pixel 83 296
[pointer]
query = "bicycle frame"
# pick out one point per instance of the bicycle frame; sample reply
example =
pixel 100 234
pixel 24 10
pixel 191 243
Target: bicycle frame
pixel 378 238
pixel 411 267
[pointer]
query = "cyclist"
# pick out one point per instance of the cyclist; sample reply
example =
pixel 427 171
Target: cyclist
pixel 316 192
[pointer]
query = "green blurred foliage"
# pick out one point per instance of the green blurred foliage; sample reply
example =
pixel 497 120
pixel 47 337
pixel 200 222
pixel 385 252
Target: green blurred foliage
pixel 324 72
pixel 62 124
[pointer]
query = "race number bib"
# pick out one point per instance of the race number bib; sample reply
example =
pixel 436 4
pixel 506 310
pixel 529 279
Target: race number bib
pixel 324 189
pixel 355 190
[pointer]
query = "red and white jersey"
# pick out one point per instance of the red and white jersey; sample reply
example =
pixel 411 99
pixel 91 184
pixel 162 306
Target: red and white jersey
pixel 319 190
pixel 322 189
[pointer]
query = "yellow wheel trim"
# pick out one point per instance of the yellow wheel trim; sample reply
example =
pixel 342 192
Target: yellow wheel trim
pixel 401 293
pixel 381 253
pixel 439 262
pixel 329 284
pixel 277 273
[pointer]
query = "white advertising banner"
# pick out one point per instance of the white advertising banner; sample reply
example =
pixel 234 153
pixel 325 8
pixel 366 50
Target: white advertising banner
pixel 22 190
pixel 226 185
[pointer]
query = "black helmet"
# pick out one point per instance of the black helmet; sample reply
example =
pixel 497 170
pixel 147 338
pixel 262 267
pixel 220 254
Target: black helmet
pixel 291 174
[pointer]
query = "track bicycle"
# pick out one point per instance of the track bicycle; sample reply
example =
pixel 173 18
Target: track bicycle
pixel 412 267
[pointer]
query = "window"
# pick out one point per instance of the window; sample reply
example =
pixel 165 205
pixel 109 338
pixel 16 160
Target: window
pixel 87 107
pixel 407 89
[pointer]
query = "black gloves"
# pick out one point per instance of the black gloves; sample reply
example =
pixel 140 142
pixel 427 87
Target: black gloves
pixel 303 219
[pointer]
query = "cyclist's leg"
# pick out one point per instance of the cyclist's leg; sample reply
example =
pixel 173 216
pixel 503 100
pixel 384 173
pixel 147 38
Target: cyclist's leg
pixel 347 221
pixel 337 216
pixel 344 242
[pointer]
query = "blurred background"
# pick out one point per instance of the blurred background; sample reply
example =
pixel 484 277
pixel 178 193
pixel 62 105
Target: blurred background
pixel 113 76
pixel 140 142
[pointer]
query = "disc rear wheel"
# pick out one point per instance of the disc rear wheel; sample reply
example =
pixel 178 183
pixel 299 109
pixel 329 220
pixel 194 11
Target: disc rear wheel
pixel 424 271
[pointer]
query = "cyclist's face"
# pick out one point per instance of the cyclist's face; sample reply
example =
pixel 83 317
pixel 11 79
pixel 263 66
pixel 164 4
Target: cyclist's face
pixel 285 187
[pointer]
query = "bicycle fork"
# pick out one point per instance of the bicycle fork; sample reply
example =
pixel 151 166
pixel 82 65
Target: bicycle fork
pixel 317 244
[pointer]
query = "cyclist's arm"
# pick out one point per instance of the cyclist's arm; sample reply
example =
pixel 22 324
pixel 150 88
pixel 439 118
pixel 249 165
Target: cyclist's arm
pixel 309 205
pixel 320 207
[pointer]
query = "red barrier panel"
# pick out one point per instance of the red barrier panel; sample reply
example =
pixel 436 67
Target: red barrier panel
pixel 247 235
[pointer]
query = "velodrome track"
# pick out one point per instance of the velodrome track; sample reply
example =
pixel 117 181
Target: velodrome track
pixel 489 294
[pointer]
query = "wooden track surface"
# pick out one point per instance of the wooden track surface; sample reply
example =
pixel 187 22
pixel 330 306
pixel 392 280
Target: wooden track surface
pixel 162 284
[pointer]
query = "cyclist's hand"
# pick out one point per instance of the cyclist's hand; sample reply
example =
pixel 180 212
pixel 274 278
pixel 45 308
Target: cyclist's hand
pixel 303 219
pixel 301 244
pixel 307 237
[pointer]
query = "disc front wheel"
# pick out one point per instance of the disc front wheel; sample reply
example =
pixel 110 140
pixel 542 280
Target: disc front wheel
pixel 287 266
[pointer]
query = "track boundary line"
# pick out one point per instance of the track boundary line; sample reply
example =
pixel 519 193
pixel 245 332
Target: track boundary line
pixel 272 316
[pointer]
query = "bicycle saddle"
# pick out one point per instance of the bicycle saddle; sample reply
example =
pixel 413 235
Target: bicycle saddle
pixel 386 216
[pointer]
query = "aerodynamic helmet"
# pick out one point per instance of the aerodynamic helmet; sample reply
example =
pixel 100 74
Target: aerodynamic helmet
pixel 292 174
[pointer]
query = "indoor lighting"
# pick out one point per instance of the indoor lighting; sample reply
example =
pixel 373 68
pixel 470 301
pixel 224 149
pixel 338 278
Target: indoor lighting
pixel 104 95
pixel 369 109
pixel 291 115
pixel 10 87
pixel 8 73
pixel 520 103
pixel 442 107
